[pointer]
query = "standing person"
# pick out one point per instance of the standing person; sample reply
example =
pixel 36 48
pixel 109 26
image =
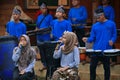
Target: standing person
pixel 24 59
pixel 60 25
pixel 78 17
pixel 104 35
pixel 110 15
pixel 108 10
pixel 43 21
pixel 69 55
pixel 16 28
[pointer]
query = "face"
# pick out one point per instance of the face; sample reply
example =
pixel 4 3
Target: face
pixel 23 41
pixel 44 10
pixel 75 2
pixel 16 16
pixel 100 18
pixel 59 14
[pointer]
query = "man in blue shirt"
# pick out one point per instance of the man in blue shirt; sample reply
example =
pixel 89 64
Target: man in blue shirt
pixel 104 35
pixel 16 28
pixel 110 15
pixel 78 17
pixel 43 21
pixel 60 25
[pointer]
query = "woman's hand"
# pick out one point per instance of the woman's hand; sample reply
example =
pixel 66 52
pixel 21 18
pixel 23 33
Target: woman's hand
pixel 22 72
pixel 84 39
pixel 63 68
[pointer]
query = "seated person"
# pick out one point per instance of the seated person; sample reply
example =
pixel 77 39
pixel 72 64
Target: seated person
pixel 69 55
pixel 24 59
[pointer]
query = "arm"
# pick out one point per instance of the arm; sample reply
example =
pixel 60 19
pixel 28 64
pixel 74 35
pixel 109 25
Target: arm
pixel 30 66
pixel 69 16
pixel 16 54
pixel 114 33
pixel 84 15
pixel 69 27
pixel 92 35
pixel 112 14
pixel 57 53
pixel 7 28
pixel 24 29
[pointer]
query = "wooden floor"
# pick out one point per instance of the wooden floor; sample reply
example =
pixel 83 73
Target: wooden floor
pixel 83 72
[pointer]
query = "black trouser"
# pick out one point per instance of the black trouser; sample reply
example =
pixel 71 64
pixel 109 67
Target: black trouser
pixel 25 76
pixel 80 32
pixel 42 52
pixel 106 66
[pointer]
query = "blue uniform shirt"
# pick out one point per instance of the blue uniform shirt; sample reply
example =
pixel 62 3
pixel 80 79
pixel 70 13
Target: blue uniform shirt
pixel 45 24
pixel 15 29
pixel 80 14
pixel 109 12
pixel 102 33
pixel 58 28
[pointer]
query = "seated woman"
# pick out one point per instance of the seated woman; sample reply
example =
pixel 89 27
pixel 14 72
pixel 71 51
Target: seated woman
pixel 69 55
pixel 24 59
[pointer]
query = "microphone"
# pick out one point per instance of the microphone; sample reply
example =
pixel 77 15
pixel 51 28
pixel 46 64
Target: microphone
pixel 21 46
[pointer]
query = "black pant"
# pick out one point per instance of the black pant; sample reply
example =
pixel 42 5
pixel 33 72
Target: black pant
pixel 25 76
pixel 106 66
pixel 80 34
pixel 42 52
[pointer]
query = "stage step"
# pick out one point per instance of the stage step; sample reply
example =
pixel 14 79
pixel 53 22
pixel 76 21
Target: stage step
pixel 84 72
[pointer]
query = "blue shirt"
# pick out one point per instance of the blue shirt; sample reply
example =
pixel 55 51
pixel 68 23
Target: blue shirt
pixel 16 29
pixel 72 59
pixel 109 12
pixel 80 14
pixel 45 24
pixel 58 28
pixel 102 33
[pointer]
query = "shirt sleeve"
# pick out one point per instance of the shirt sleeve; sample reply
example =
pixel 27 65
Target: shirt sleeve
pixel 92 35
pixel 112 14
pixel 84 15
pixel 114 33
pixel 30 66
pixel 69 27
pixel 57 54
pixel 25 29
pixel 7 27
pixel 16 54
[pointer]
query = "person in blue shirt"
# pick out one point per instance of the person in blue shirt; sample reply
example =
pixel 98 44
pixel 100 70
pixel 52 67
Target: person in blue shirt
pixel 69 58
pixel 104 35
pixel 43 21
pixel 108 10
pixel 60 25
pixel 24 59
pixel 16 28
pixel 78 16
pixel 110 15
